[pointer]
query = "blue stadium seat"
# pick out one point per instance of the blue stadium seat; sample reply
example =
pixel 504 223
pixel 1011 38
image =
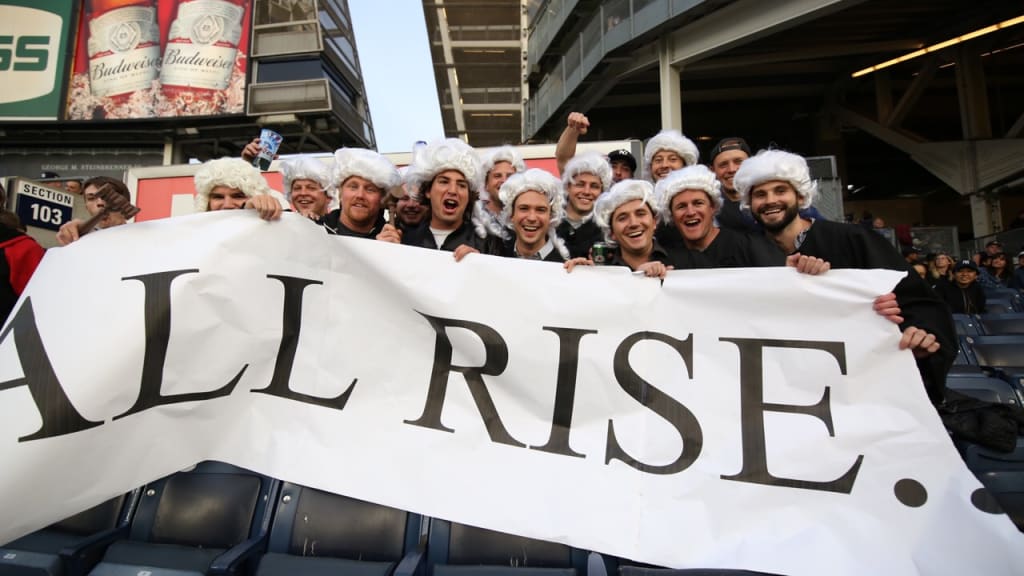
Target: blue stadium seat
pixel 998 351
pixel 1006 323
pixel 624 567
pixel 316 533
pixel 999 305
pixel 964 353
pixel 461 550
pixel 1002 474
pixel 984 387
pixel 208 520
pixel 966 325
pixel 72 546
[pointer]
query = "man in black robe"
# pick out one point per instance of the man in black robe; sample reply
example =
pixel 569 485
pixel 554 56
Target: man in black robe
pixel 774 185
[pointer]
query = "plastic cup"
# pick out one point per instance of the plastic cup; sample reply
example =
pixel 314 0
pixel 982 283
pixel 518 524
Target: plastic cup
pixel 270 141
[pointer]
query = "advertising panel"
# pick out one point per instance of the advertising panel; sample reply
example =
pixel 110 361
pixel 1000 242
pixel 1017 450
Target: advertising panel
pixel 33 35
pixel 159 59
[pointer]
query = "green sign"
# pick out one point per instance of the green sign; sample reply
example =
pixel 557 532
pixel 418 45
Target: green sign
pixel 34 37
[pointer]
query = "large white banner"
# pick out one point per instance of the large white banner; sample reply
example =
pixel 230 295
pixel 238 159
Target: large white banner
pixel 756 419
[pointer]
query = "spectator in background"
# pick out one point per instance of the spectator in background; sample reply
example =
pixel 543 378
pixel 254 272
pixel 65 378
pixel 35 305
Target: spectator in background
pixel 234 184
pixel 623 164
pixel 666 151
pixel 963 294
pixel 922 270
pixel 94 205
pixel 19 256
pixel 73 186
pixel 940 267
pixel 498 165
pixel 1000 271
pixel 1017 222
pixel 1018 273
pixel 993 247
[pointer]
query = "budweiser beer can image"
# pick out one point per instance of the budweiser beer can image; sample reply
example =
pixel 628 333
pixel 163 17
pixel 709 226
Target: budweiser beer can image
pixel 202 45
pixel 599 253
pixel 123 46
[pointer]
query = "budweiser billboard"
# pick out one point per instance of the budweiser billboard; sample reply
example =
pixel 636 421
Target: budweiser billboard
pixel 160 58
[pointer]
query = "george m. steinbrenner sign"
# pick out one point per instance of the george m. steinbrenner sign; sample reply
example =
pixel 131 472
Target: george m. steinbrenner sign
pixel 756 419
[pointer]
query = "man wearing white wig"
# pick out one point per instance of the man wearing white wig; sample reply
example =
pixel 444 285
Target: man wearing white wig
pixel 498 165
pixel 232 184
pixel 689 199
pixel 774 185
pixel 307 185
pixel 585 178
pixel 449 175
pixel 363 178
pixel 668 150
pixel 532 207
pixel 627 215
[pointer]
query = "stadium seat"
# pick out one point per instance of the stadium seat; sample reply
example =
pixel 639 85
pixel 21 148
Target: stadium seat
pixel 999 305
pixel 460 550
pixel 999 351
pixel 208 520
pixel 983 387
pixel 1002 474
pixel 72 546
pixel 966 325
pixel 964 353
pixel 317 533
pixel 1007 323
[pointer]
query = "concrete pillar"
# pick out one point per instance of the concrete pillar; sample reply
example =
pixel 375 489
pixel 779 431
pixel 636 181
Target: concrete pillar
pixel 986 214
pixel 668 77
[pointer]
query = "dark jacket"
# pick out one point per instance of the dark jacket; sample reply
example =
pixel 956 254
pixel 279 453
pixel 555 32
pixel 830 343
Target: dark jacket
pixel 464 234
pixel 731 249
pixel 507 249
pixel 332 224
pixel 19 256
pixel 658 254
pixel 579 240
pixel 970 300
pixel 851 246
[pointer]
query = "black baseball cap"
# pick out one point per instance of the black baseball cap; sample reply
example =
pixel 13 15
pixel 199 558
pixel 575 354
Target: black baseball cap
pixel 994 243
pixel 623 155
pixel 730 143
pixel 965 264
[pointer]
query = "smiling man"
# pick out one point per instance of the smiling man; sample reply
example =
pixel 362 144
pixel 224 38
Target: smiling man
pixel 774 185
pixel 533 207
pixel 627 215
pixel 585 178
pixel 667 151
pixel 449 175
pixel 363 178
pixel 307 186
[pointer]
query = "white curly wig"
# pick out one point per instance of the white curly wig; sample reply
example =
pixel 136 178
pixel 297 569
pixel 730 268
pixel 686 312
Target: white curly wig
pixel 447 154
pixel 673 141
pixel 620 193
pixel 230 172
pixel 504 154
pixel 696 177
pixel 768 165
pixel 306 168
pixel 366 164
pixel 588 163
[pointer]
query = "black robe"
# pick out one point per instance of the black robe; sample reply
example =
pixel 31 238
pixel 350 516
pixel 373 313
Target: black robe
pixel 731 249
pixel 850 246
pixel 579 240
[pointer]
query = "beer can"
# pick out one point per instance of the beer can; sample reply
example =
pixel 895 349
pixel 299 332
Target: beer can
pixel 599 253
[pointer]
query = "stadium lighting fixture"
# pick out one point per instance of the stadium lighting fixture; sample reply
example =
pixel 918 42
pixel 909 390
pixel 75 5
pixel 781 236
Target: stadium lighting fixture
pixel 941 45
